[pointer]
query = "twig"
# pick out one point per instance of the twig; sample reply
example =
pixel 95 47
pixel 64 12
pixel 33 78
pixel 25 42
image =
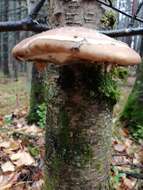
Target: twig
pixel 22 25
pixel 129 164
pixel 124 32
pixel 121 154
pixel 139 8
pixel 33 14
pixel 27 24
pixel 110 2
pixel 119 11
pixel 134 175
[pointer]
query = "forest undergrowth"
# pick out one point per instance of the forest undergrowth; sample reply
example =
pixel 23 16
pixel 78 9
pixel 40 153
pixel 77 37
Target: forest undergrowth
pixel 22 146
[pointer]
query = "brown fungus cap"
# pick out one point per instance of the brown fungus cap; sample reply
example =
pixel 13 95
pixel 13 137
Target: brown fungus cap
pixel 69 44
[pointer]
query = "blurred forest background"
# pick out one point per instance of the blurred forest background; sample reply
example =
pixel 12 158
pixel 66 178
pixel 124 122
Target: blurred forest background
pixel 17 78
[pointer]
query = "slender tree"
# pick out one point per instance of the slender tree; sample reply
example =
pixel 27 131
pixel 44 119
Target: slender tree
pixel 5 42
pixel 38 86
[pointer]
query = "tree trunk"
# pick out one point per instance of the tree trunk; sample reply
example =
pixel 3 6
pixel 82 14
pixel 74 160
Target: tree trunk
pixel 78 132
pixel 78 137
pixel 37 96
pixel 132 114
pixel 5 43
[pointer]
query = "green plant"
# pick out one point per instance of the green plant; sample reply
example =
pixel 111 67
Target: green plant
pixel 115 177
pixel 108 19
pixel 8 119
pixel 137 132
pixel 41 113
pixel 34 150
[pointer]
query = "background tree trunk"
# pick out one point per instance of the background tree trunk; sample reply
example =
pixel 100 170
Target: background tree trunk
pixel 5 42
pixel 37 96
pixel 78 132
pixel 132 114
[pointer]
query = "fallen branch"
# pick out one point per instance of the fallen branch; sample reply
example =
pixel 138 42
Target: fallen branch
pixel 129 164
pixel 134 175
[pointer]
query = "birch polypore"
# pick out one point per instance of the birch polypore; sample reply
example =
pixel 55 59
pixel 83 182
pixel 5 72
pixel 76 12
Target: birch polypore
pixel 69 44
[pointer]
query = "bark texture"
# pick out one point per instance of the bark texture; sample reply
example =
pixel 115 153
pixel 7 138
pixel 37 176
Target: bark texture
pixel 5 43
pixel 75 13
pixel 38 94
pixel 78 132
pixel 78 136
pixel 132 114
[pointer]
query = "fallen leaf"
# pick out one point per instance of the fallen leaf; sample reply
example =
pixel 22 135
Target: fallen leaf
pixel 22 158
pixel 5 182
pixel 120 160
pixel 8 167
pixel 127 184
pixel 38 185
pixel 1 121
pixel 19 186
pixel 5 144
pixel 14 145
pixel 119 147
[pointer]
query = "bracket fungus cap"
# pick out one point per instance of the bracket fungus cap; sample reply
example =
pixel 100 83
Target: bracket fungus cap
pixel 68 44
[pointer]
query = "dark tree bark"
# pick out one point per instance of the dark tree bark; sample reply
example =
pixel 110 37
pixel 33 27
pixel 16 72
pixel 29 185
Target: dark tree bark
pixel 38 83
pixel 78 132
pixel 16 39
pixel 5 43
pixel 38 94
pixel 132 114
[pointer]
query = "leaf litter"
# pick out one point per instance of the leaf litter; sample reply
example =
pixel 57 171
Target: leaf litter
pixel 22 156
pixel 21 153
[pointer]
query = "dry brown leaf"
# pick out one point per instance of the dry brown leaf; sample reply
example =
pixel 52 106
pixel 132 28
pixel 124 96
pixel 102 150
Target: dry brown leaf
pixel 128 184
pixel 6 181
pixel 19 186
pixel 124 132
pixel 8 167
pixel 1 121
pixel 5 144
pixel 14 145
pixel 38 185
pixel 120 160
pixel 119 147
pixel 22 158
pixel 140 155
pixel 32 129
pixel 128 142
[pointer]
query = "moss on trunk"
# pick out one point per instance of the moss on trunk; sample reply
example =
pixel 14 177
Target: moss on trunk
pixel 78 133
pixel 38 94
pixel 79 110
pixel 132 114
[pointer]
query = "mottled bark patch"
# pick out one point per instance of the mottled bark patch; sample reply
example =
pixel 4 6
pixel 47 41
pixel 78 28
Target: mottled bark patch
pixel 75 13
pixel 78 135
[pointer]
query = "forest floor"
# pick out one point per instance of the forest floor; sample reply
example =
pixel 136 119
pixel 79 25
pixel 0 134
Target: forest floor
pixel 22 155
pixel 13 94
